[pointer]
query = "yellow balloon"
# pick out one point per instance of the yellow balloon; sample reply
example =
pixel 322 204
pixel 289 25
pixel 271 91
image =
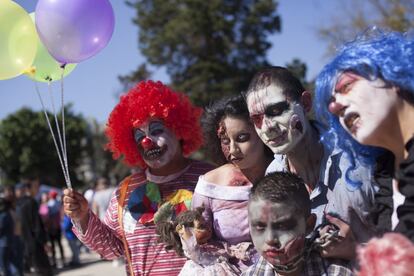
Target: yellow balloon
pixel 45 68
pixel 17 40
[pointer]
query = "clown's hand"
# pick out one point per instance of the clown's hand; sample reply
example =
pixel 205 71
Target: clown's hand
pixel 76 207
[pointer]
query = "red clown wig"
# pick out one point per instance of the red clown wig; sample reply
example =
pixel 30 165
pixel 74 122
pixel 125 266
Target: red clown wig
pixel 149 99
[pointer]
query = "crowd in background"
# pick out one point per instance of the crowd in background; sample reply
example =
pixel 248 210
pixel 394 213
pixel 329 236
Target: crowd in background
pixel 33 226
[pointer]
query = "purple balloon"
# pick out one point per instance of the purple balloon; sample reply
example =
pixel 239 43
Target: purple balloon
pixel 74 30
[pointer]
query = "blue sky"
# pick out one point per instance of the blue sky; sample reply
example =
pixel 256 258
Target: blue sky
pixel 92 85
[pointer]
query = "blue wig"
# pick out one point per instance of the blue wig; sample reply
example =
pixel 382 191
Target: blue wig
pixel 385 55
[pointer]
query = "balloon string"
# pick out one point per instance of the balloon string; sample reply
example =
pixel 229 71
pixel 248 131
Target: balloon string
pixel 52 100
pixel 63 116
pixel 61 136
pixel 62 102
pixel 66 176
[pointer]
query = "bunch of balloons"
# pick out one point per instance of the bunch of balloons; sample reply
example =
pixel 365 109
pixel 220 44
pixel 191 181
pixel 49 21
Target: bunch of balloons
pixel 47 44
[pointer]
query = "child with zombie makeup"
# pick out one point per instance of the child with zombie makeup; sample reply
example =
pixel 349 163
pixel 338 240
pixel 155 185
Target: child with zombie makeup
pixel 280 220
pixel 154 128
pixel 232 143
pixel 278 106
pixel 366 94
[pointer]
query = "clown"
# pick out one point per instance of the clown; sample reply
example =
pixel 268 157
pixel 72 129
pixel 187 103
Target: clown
pixel 366 94
pixel 153 128
pixel 279 106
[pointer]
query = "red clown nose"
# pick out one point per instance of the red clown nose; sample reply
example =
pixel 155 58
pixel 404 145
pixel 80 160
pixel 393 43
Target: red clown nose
pixel 146 143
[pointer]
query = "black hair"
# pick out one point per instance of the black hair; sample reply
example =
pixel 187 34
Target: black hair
pixel 280 77
pixel 234 107
pixel 278 187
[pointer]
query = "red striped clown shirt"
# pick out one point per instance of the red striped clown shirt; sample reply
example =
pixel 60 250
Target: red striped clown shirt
pixel 147 255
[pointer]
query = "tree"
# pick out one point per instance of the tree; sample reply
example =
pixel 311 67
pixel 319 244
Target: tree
pixel 209 48
pixel 299 69
pixel 27 148
pixel 100 160
pixel 354 17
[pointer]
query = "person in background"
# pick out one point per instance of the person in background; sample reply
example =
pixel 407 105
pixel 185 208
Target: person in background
pixel 73 241
pixel 34 236
pixel 54 228
pixel 102 197
pixel 16 245
pixel 157 129
pixel 6 237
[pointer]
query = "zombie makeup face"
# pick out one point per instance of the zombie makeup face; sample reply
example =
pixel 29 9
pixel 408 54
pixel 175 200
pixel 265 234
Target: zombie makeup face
pixel 280 123
pixel 240 143
pixel 365 108
pixel 157 144
pixel 277 231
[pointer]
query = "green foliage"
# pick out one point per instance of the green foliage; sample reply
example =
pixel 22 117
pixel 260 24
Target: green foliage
pixel 100 160
pixel 27 148
pixel 354 17
pixel 209 48
pixel 299 69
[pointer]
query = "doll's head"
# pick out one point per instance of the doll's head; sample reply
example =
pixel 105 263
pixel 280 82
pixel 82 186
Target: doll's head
pixel 186 225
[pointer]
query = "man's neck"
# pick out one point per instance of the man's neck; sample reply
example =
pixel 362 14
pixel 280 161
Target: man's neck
pixel 305 158
pixel 258 171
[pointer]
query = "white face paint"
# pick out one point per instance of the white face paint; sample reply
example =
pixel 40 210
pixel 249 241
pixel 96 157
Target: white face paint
pixel 366 109
pixel 277 230
pixel 240 143
pixel 279 123
pixel 163 148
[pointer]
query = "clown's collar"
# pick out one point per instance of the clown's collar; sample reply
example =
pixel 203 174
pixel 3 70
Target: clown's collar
pixel 164 178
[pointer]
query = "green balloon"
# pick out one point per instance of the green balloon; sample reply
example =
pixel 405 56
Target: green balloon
pixel 17 40
pixel 45 68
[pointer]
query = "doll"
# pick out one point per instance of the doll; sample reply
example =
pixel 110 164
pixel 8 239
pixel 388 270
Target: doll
pixel 187 234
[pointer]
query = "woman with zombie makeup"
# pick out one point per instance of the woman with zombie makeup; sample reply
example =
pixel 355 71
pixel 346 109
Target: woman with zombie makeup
pixel 366 95
pixel 153 128
pixel 232 143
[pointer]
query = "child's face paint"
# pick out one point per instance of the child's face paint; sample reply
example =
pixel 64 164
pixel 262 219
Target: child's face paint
pixel 277 230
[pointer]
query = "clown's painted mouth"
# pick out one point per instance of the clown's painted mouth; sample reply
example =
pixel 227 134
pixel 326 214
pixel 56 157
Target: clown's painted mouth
pixel 154 153
pixel 351 120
